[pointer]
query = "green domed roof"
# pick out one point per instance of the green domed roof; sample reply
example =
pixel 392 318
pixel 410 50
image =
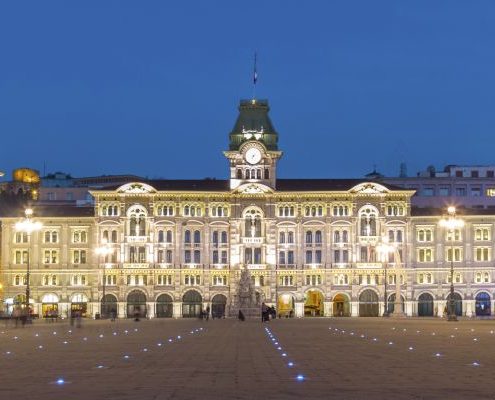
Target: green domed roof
pixel 253 123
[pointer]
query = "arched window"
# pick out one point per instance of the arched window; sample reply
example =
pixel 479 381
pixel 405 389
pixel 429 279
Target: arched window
pixel 367 219
pixel 161 236
pixel 399 236
pixel 345 236
pixel 187 236
pixel 290 237
pixel 318 237
pixel 336 236
pixel 252 222
pixel 224 237
pixel 267 173
pixel 239 174
pixel 137 221
pixel 215 237
pixel 197 237
pixel 281 237
pixel 169 236
pixel 309 237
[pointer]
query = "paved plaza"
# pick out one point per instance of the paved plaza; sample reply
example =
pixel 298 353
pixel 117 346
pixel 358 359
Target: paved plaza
pixel 351 358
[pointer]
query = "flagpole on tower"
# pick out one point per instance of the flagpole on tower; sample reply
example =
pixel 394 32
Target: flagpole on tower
pixel 255 75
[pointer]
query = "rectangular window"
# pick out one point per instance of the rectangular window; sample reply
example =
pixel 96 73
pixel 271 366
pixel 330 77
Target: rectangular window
pixel 475 192
pixel 428 192
pixel 460 191
pixel 444 191
pixel 425 255
pixel 197 257
pixel 457 254
pixel 482 254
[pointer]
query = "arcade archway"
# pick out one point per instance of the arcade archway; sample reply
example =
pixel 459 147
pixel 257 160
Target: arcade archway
pixel 164 306
pixel 341 306
pixel 136 304
pixel 286 306
pixel 191 304
pixel 313 304
pixel 368 304
pixel 425 305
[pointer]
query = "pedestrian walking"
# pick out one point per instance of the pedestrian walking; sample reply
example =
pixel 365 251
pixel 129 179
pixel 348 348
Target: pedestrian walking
pixel 207 313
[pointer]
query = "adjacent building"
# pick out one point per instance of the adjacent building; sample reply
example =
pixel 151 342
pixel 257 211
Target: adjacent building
pixel 313 247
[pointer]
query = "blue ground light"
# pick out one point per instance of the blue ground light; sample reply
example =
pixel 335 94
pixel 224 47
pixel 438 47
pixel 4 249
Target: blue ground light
pixel 300 378
pixel 60 381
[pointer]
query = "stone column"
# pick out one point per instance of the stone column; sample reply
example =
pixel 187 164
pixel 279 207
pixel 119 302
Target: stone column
pixel 150 308
pixel 470 308
pixel 177 309
pixel 409 308
pixel 299 309
pixel 121 309
pixel 327 308
pixel 355 308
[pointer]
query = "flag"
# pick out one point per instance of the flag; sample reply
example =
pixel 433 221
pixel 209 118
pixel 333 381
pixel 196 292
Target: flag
pixel 255 72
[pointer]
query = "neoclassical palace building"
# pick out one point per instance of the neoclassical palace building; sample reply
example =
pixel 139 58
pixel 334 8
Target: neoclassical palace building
pixel 313 247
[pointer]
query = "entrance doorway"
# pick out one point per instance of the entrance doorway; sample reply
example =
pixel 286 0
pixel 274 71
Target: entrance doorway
pixel 483 304
pixel 108 306
pixel 49 306
pixel 313 305
pixel 425 305
pixel 164 306
pixel 341 307
pixel 218 303
pixel 79 305
pixel 192 303
pixel 136 304
pixel 391 303
pixel 285 306
pixel 457 304
pixel 368 304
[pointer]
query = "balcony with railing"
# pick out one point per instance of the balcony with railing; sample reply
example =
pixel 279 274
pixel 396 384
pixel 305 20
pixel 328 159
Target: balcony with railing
pixel 136 265
pixel 137 239
pixel 253 240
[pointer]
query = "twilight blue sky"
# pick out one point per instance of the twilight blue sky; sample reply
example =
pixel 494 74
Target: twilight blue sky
pixel 152 87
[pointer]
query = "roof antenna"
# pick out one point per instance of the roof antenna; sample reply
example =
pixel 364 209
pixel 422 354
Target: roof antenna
pixel 255 76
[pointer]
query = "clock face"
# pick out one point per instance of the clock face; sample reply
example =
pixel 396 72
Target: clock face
pixel 253 155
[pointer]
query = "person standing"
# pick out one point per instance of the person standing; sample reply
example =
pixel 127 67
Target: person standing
pixel 207 313
pixel 264 311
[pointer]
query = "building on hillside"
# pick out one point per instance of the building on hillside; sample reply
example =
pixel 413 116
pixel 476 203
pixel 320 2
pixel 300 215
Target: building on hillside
pixel 311 246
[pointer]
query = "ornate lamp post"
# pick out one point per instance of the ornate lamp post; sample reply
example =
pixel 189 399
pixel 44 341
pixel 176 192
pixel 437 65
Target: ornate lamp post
pixel 103 251
pixel 450 224
pixel 28 226
pixel 384 249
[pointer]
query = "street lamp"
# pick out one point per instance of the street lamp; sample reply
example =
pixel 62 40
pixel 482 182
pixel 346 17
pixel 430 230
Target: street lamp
pixel 384 249
pixel 451 223
pixel 103 251
pixel 387 248
pixel 28 226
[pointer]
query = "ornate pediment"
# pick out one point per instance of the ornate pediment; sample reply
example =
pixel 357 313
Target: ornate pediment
pixel 253 188
pixel 369 188
pixel 136 188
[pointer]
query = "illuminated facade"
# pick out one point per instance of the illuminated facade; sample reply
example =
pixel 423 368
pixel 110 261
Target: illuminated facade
pixel 311 246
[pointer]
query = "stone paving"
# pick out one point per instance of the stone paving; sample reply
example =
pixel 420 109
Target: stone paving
pixel 348 358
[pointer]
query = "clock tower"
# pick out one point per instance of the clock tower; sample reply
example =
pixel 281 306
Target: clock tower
pixel 253 150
